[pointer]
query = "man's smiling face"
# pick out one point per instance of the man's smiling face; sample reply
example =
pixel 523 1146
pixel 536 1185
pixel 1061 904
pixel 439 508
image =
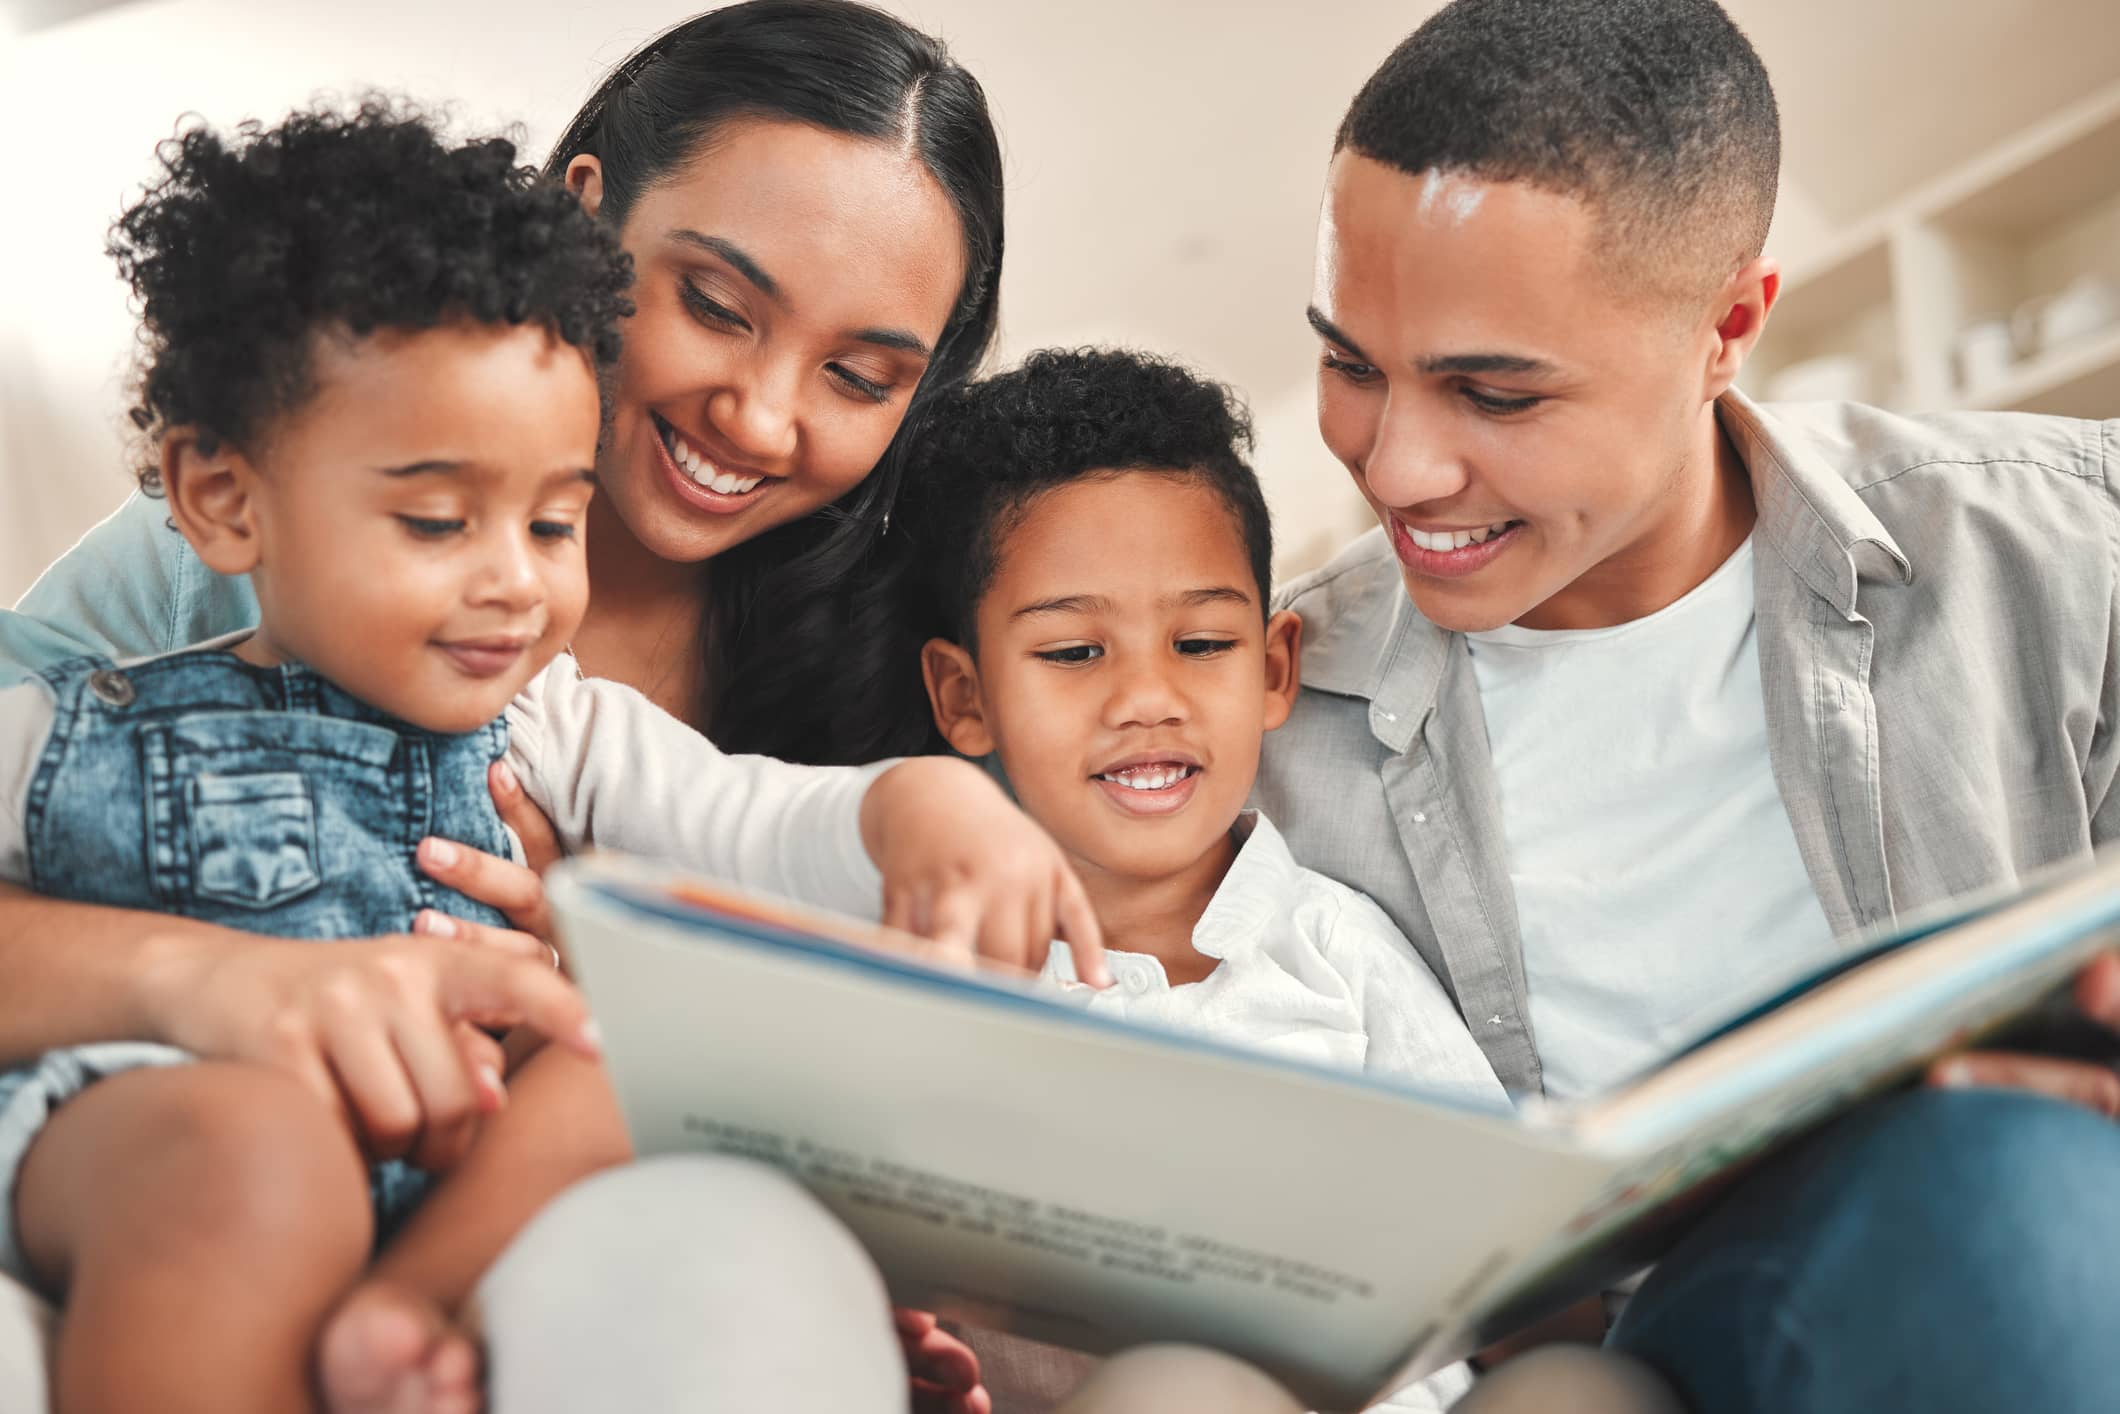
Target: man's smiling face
pixel 1534 434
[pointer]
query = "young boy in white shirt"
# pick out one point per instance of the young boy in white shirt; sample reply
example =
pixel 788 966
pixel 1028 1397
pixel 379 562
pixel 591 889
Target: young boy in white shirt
pixel 1100 555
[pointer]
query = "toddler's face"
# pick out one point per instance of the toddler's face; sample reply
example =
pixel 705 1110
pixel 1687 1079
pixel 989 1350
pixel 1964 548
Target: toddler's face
pixel 1125 672
pixel 414 528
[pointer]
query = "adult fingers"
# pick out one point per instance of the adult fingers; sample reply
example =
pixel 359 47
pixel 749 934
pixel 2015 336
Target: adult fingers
pixel 2078 1082
pixel 491 990
pixel 533 828
pixel 496 882
pixel 2098 989
pixel 432 923
pixel 955 920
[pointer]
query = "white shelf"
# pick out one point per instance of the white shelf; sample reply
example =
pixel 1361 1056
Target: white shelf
pixel 2084 374
pixel 2020 222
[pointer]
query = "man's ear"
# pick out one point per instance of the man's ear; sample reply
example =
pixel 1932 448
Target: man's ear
pixel 1284 666
pixel 952 679
pixel 213 499
pixel 1741 309
pixel 585 178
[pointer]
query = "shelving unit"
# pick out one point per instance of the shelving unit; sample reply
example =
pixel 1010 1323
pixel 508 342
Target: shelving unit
pixel 2022 222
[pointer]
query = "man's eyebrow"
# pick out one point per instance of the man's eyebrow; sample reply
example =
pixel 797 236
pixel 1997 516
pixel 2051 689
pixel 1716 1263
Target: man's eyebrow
pixel 1220 594
pixel 1484 363
pixel 1331 333
pixel 733 253
pixel 1065 604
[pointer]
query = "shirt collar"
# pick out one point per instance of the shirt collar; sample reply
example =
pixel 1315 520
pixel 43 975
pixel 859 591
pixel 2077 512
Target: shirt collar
pixel 1808 513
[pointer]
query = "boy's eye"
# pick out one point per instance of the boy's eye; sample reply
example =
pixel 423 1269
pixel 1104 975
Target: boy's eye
pixel 1073 653
pixel 1488 402
pixel 709 308
pixel 428 529
pixel 1350 370
pixel 552 529
pixel 1205 647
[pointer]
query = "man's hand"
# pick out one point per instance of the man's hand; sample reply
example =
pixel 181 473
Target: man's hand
pixel 2095 1087
pixel 964 866
pixel 385 1031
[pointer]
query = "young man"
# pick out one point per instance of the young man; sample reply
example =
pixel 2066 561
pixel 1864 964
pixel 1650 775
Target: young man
pixel 1645 699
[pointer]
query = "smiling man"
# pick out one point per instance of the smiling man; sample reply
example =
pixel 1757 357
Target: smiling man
pixel 1644 699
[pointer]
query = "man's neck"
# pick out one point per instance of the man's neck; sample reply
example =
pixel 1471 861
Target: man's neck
pixel 1709 514
pixel 1157 916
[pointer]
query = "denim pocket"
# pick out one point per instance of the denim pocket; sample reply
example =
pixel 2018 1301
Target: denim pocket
pixel 254 838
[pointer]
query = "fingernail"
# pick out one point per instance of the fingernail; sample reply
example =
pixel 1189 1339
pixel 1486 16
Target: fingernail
pixel 504 779
pixel 440 852
pixel 593 1036
pixel 439 925
pixel 1956 1074
pixel 491 1079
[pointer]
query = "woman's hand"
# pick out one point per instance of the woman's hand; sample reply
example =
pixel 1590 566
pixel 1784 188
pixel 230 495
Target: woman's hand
pixel 516 890
pixel 2095 1087
pixel 384 1031
pixel 962 865
pixel 945 1371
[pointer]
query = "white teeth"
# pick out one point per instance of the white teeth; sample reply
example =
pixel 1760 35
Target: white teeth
pixel 1148 777
pixel 1444 541
pixel 704 472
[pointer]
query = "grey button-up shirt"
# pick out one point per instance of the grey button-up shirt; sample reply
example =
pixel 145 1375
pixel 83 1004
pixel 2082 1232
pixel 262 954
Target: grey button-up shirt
pixel 1937 621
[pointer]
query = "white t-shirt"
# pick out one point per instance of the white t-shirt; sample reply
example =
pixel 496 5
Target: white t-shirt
pixel 1658 886
pixel 609 768
pixel 1312 970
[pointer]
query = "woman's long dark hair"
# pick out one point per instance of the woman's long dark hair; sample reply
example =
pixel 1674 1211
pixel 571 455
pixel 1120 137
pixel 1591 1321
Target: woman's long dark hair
pixel 808 655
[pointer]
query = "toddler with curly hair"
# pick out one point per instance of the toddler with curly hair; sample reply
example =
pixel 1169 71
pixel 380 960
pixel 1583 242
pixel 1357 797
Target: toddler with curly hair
pixel 371 386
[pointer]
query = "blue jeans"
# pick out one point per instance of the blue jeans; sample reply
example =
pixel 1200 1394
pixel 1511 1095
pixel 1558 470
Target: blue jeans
pixel 1939 1251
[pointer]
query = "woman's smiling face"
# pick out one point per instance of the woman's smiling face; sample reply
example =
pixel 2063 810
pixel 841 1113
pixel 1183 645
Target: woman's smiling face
pixel 790 284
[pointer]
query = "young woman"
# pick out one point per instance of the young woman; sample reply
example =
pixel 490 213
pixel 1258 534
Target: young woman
pixel 811 192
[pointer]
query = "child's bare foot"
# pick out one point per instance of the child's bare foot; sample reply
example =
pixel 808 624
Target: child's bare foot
pixel 389 1350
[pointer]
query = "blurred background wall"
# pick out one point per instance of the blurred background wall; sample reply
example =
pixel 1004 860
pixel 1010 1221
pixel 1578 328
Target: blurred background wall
pixel 1165 159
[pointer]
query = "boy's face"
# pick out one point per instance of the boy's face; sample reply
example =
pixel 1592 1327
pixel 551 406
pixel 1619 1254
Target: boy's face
pixel 413 529
pixel 1125 672
pixel 1484 373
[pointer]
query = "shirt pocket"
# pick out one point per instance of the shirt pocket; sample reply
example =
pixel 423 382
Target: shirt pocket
pixel 254 838
pixel 249 811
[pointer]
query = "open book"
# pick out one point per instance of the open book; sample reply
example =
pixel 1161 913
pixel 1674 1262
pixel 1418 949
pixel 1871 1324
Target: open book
pixel 1022 1164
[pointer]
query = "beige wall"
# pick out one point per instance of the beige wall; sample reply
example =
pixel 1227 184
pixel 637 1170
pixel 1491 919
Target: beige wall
pixel 1164 158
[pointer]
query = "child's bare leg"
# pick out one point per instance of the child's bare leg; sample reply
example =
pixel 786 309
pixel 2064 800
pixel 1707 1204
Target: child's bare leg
pixel 197 1223
pixel 394 1344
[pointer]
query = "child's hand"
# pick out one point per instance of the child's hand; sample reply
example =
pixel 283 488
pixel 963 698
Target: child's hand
pixel 385 1030
pixel 964 866
pixel 945 1371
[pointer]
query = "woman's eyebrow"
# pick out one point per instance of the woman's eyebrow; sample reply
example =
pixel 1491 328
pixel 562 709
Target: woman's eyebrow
pixel 894 339
pixel 903 340
pixel 733 253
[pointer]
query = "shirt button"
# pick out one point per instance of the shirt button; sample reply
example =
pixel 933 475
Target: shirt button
pixel 1389 716
pixel 1494 1020
pixel 1420 817
pixel 111 686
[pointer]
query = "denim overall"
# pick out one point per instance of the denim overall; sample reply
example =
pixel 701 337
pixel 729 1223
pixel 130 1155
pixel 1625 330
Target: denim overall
pixel 261 799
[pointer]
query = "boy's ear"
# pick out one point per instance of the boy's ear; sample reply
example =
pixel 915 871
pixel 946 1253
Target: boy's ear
pixel 953 695
pixel 1284 666
pixel 213 499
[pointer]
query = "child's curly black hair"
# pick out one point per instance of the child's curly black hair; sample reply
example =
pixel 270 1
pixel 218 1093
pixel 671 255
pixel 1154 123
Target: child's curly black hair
pixel 987 451
pixel 248 246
